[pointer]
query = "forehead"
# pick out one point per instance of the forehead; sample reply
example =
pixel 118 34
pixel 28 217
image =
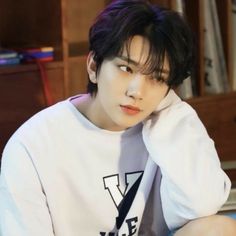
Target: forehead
pixel 138 49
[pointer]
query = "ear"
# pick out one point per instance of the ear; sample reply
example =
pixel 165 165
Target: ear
pixel 91 67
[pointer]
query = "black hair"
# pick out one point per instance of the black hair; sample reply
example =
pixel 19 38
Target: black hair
pixel 166 30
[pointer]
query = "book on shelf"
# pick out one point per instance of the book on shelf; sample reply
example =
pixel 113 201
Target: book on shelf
pixel 39 49
pixel 30 56
pixel 9 61
pixel 215 65
pixel 43 54
pixel 5 53
pixel 185 89
pixel 234 42
pixel 9 57
pixel 12 57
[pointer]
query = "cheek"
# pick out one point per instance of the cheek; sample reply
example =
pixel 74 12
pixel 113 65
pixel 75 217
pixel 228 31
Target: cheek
pixel 156 96
pixel 112 84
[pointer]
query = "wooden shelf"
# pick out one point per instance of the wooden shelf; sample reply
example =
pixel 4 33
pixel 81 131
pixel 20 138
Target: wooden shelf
pixel 212 97
pixel 78 48
pixel 218 113
pixel 13 69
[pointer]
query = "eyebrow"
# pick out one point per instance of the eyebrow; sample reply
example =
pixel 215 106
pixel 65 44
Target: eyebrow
pixel 135 63
pixel 124 58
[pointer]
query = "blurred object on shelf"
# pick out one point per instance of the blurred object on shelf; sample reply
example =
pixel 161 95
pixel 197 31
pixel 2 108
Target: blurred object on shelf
pixel 43 54
pixel 215 65
pixel 9 57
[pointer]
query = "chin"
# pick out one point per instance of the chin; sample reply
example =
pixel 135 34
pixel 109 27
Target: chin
pixel 128 125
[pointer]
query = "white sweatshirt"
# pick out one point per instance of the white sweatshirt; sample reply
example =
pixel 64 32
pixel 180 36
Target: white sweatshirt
pixel 63 176
pixel 193 183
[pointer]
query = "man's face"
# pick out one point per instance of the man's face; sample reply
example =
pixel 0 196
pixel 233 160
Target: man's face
pixel 125 95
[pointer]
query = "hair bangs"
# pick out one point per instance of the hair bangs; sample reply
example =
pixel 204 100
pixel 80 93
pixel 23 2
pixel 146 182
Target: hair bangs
pixel 154 63
pixel 155 60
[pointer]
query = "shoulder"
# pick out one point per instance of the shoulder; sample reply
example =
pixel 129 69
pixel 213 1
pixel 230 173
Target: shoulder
pixel 45 121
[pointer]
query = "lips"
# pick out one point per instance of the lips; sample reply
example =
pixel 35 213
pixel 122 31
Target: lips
pixel 130 110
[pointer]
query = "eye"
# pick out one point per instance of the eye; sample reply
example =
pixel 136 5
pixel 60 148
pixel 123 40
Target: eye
pixel 126 69
pixel 161 79
pixel 158 78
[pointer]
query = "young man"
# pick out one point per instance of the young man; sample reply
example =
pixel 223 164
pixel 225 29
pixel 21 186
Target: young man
pixel 129 157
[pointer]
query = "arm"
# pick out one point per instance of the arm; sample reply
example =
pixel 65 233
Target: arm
pixel 216 225
pixel 193 183
pixel 23 205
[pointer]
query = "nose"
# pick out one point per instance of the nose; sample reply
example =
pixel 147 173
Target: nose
pixel 136 87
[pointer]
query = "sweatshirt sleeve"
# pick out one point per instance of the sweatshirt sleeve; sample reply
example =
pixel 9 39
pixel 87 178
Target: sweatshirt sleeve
pixel 23 205
pixel 193 184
